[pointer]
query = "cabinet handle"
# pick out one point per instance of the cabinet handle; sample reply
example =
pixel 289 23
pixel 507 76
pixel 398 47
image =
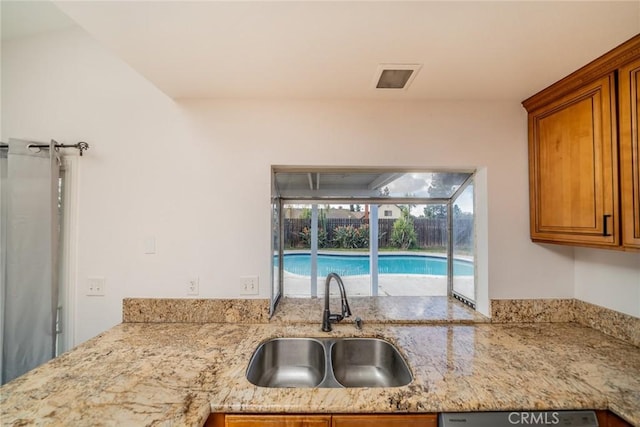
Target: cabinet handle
pixel 604 219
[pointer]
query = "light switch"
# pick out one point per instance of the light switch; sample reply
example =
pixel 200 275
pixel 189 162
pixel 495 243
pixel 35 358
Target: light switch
pixel 150 245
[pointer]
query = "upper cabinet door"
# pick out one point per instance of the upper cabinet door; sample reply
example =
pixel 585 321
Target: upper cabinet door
pixel 573 167
pixel 629 87
pixel 577 196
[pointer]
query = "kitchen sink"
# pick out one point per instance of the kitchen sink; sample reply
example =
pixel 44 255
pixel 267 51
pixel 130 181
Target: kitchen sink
pixel 327 363
pixel 368 362
pixel 288 362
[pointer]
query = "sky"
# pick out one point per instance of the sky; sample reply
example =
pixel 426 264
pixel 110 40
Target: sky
pixel 418 184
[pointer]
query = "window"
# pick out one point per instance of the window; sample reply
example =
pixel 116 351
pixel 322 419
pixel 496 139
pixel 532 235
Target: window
pixel 327 220
pixel 462 245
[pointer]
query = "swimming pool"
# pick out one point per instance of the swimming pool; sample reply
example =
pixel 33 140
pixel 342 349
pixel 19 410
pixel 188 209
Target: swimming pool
pixel 351 265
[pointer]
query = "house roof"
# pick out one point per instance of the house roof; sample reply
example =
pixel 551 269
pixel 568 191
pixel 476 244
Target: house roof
pixel 295 213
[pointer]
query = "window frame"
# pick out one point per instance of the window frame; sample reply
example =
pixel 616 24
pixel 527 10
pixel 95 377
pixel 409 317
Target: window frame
pixel 449 202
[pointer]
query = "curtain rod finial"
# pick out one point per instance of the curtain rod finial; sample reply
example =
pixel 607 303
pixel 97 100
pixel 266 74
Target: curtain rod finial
pixel 82 146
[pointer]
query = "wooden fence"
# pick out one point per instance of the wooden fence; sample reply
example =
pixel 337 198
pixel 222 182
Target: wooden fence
pixel 430 232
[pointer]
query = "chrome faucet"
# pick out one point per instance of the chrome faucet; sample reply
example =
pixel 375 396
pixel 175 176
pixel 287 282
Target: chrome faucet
pixel 327 317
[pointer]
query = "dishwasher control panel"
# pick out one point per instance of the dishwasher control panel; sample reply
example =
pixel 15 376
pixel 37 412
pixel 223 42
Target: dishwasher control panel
pixel 519 419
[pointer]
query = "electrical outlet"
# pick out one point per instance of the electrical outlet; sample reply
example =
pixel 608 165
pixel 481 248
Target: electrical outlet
pixel 95 286
pixel 193 286
pixel 249 285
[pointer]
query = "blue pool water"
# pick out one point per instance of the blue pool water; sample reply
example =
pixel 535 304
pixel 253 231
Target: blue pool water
pixel 351 265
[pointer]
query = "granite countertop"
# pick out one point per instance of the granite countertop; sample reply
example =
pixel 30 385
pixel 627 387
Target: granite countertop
pixel 386 310
pixel 176 374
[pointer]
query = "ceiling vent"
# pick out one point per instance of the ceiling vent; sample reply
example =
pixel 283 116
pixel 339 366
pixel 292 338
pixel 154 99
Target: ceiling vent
pixel 395 76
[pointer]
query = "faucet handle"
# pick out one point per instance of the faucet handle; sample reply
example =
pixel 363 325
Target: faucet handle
pixel 335 318
pixel 358 322
pixel 346 310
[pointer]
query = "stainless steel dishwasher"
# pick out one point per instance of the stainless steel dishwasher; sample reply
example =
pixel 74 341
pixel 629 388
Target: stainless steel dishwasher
pixel 518 419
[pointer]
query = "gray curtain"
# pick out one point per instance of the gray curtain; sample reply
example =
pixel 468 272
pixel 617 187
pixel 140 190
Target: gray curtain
pixel 30 229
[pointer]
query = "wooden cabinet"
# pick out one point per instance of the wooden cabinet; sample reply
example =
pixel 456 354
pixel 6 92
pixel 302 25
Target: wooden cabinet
pixel 605 419
pixel 629 88
pixel 584 186
pixel 609 419
pixel 347 420
pixel 267 420
pixel 428 420
pixel 573 167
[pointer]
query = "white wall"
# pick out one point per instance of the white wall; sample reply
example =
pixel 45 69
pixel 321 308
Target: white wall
pixel 608 278
pixel 388 134
pixel 196 174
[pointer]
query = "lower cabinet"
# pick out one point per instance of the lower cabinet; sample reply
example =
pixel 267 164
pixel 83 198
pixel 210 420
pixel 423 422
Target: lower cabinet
pixel 605 419
pixel 369 420
pixel 609 419
pixel 427 420
pixel 255 420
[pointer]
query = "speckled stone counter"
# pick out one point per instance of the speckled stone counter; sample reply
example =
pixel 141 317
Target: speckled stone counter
pixel 194 310
pixel 611 322
pixel 175 374
pixel 385 310
pixel 388 309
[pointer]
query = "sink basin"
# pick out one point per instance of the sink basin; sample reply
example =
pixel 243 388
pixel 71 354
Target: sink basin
pixel 288 362
pixel 368 362
pixel 327 362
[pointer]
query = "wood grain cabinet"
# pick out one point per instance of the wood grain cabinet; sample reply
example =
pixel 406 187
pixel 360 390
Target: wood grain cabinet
pixel 573 167
pixel 609 419
pixel 259 420
pixel 629 89
pixel 605 418
pixel 336 420
pixel 428 420
pixel 583 155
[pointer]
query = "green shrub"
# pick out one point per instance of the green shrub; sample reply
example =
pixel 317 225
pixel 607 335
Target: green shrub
pixel 403 235
pixel 350 237
pixel 305 237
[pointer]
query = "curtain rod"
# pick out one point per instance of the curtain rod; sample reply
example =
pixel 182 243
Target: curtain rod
pixel 82 146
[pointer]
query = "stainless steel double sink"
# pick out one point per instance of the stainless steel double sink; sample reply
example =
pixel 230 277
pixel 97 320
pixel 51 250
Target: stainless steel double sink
pixel 328 363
